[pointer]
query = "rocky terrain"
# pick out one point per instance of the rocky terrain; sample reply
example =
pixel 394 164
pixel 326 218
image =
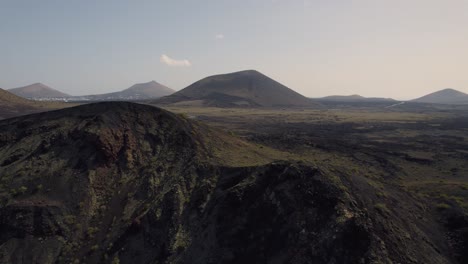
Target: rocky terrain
pixel 129 183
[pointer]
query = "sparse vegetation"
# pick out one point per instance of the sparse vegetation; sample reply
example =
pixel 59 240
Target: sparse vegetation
pixel 22 189
pixel 381 207
pixel 116 260
pixel 443 206
pixel 94 247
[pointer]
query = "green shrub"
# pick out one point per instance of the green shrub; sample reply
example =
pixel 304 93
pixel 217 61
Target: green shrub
pixel 22 189
pixel 116 260
pixel 381 207
pixel 95 247
pixel 69 219
pixel 442 206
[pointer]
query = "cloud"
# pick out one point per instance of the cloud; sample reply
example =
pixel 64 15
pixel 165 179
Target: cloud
pixel 219 36
pixel 173 62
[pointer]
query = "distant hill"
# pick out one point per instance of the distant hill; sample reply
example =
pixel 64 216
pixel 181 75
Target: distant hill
pixel 12 105
pixel 37 91
pixel 244 88
pixel 445 96
pixel 139 91
pixel 8 99
pixel 354 98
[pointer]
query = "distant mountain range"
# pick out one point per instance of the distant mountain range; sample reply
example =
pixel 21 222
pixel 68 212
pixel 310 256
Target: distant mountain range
pixel 445 96
pixel 38 91
pixel 140 91
pixel 354 98
pixel 244 88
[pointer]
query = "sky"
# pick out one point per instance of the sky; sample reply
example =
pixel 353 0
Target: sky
pixel 388 48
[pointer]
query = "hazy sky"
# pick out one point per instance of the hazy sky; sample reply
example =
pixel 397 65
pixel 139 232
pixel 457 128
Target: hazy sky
pixel 390 48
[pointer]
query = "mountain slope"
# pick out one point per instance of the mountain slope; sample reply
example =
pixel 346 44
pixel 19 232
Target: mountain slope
pixel 12 105
pixel 37 91
pixel 445 96
pixel 245 88
pixel 128 183
pixel 9 99
pixel 139 91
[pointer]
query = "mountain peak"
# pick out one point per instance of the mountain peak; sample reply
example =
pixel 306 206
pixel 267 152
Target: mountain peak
pixel 38 90
pixel 444 96
pixel 449 90
pixel 151 89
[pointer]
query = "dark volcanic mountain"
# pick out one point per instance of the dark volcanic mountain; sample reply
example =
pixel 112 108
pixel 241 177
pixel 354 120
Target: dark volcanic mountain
pixel 245 88
pixel 139 91
pixel 446 96
pixel 128 183
pixel 354 98
pixel 37 91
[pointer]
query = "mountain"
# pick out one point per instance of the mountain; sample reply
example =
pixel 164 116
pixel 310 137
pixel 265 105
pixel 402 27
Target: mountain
pixel 126 183
pixel 12 105
pixel 37 91
pixel 445 96
pixel 9 99
pixel 244 88
pixel 139 91
pixel 354 98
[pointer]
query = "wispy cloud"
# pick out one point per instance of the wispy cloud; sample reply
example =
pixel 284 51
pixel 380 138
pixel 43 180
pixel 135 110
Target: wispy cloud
pixel 219 36
pixel 173 62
